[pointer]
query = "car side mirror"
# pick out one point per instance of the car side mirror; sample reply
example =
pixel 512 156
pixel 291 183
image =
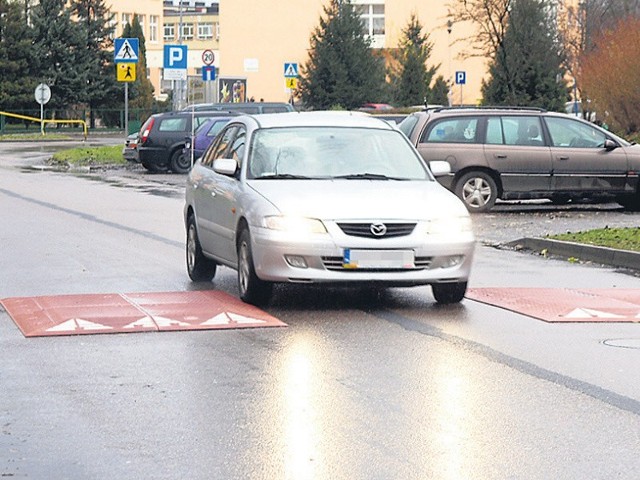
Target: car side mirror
pixel 439 168
pixel 225 166
pixel 610 145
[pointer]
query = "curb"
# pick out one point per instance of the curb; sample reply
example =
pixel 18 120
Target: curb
pixel 579 251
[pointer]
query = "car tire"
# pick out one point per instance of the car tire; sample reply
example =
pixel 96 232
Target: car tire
pixel 180 163
pixel 478 191
pixel 199 267
pixel 153 168
pixel 252 289
pixel 449 292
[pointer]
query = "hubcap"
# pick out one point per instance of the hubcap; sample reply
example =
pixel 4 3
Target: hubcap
pixel 476 192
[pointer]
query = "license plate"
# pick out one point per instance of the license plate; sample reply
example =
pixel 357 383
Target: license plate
pixel 377 259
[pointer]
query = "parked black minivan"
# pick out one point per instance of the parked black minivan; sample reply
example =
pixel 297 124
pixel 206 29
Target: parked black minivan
pixel 162 138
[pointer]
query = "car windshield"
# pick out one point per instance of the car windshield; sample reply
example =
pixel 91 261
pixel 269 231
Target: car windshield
pixel 334 152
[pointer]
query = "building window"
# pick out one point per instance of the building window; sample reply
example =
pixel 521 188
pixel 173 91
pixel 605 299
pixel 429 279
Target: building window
pixel 126 20
pixel 141 21
pixel 153 28
pixel 113 27
pixel 187 31
pixel 169 31
pixel 205 31
pixel 216 27
pixel 372 18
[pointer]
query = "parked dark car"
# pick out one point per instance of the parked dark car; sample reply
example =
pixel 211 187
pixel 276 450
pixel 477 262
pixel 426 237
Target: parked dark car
pixel 163 136
pixel 513 153
pixel 244 107
pixel 203 136
pixel 130 149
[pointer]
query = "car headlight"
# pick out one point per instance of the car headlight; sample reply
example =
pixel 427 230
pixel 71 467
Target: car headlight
pixel 449 225
pixel 299 225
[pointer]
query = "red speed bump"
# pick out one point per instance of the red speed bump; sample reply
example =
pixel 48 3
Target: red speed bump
pixel 133 312
pixel 564 304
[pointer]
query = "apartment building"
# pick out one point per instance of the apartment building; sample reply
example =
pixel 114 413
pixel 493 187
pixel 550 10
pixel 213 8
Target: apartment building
pixel 193 23
pixel 259 37
pixel 253 39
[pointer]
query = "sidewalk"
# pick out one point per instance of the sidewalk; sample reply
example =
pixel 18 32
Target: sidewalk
pixel 579 252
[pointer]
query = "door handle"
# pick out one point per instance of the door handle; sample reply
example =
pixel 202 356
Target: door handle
pixel 500 155
pixel 562 157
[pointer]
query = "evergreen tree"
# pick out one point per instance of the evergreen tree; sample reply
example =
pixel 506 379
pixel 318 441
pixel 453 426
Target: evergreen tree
pixel 16 84
pixel 527 69
pixel 59 57
pixel 140 91
pixel 94 19
pixel 439 92
pixel 342 71
pixel 411 80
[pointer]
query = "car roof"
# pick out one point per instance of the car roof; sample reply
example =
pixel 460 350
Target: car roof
pixel 318 118
pixel 197 113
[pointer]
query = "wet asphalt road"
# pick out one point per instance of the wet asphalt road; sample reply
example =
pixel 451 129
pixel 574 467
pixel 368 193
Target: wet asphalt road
pixel 358 386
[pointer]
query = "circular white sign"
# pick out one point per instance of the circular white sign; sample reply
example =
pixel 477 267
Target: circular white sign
pixel 208 57
pixel 43 93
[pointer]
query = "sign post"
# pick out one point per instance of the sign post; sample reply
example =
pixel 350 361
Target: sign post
pixel 125 54
pixel 43 95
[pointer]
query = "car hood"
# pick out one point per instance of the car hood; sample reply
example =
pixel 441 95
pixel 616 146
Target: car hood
pixel 354 199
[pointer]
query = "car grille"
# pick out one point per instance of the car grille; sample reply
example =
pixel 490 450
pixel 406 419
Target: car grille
pixel 335 264
pixel 364 229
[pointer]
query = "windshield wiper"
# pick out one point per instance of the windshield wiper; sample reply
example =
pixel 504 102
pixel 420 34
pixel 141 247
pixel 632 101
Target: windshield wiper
pixel 279 176
pixel 368 176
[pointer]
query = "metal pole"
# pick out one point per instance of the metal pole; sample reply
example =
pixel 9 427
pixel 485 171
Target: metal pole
pixel 126 108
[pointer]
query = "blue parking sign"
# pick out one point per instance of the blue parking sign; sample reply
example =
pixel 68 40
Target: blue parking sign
pixel 461 78
pixel 175 56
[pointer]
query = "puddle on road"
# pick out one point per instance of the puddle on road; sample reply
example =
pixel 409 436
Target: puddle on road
pixel 135 181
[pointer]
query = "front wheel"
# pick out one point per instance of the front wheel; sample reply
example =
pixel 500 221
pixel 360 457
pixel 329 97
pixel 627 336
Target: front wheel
pixel 180 163
pixel 478 191
pixel 199 267
pixel 252 289
pixel 449 292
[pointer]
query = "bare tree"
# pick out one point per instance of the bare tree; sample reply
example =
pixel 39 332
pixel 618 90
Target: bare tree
pixel 488 20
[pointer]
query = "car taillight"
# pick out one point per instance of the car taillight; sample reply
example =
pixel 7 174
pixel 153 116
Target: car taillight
pixel 146 130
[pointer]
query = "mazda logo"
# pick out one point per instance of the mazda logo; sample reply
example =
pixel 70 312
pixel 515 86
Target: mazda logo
pixel 378 229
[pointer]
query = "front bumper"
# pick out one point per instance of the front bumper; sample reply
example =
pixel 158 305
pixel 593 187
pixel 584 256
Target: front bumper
pixel 437 258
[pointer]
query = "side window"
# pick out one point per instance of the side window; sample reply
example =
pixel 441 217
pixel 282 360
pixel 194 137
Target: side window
pixel 173 125
pixel 521 130
pixel 220 145
pixel 452 130
pixel 494 131
pixel 237 148
pixel 566 132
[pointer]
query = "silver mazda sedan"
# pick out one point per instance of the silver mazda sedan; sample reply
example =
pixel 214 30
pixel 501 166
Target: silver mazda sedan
pixel 335 198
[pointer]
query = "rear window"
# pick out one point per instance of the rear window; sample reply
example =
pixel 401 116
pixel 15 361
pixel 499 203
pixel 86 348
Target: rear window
pixel 408 124
pixel 173 125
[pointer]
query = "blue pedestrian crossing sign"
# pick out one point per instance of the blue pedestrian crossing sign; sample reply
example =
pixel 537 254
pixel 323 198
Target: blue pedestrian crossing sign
pixel 126 50
pixel 461 78
pixel 290 70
